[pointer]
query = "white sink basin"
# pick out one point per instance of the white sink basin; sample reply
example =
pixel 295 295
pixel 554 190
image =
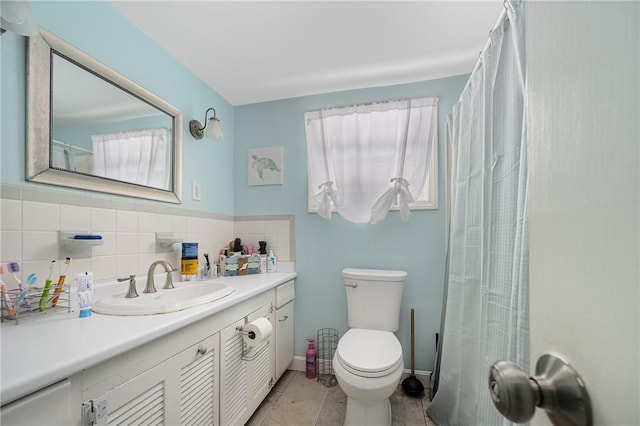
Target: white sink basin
pixel 185 295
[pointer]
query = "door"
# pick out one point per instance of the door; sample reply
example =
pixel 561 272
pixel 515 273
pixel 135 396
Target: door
pixel 584 138
pixel 234 401
pixel 284 338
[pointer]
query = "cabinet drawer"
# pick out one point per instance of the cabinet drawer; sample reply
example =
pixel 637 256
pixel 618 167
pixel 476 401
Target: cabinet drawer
pixel 285 293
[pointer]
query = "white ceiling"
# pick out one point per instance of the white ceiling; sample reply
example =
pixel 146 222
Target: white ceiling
pixel 254 51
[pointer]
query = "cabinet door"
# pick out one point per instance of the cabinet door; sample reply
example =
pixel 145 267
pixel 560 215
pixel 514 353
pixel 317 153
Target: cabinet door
pixel 198 381
pixel 284 338
pixel 50 406
pixel 246 373
pixel 234 404
pixel 180 390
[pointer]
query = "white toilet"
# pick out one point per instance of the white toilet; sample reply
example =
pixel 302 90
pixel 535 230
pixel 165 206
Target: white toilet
pixel 368 362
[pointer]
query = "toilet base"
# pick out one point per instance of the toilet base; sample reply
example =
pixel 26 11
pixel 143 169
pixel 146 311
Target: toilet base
pixel 370 413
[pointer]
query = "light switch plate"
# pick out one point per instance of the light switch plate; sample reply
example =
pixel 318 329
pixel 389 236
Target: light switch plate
pixel 195 191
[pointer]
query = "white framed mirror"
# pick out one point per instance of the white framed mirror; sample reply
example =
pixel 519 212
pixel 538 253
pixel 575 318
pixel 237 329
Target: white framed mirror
pixel 89 127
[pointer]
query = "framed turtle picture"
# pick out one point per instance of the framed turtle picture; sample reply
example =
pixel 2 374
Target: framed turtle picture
pixel 265 166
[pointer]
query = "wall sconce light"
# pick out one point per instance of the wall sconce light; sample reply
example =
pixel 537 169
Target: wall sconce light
pixel 211 128
pixel 15 16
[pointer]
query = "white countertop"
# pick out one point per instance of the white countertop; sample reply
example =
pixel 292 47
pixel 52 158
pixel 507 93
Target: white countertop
pixel 41 351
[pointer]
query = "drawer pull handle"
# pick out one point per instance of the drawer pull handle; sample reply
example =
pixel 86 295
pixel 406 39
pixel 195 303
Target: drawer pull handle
pixel 286 317
pixel 202 350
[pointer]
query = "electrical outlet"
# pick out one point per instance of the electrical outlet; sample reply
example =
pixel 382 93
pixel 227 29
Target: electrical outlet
pixel 195 191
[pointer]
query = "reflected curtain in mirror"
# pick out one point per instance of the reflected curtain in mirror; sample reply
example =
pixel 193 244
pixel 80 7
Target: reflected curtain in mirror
pixel 137 156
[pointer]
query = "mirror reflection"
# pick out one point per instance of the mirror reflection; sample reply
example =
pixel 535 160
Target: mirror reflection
pixel 91 128
pixel 99 129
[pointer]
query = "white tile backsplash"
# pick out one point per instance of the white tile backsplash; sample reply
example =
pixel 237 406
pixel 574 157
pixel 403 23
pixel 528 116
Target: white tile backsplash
pixel 108 246
pixel 30 235
pixel 11 215
pixel 126 221
pixel 103 267
pixel 40 245
pixel 147 222
pixel 103 220
pixel 74 218
pixel 282 227
pixel 179 224
pixel 164 223
pixel 11 245
pixel 126 243
pixel 38 216
pixel 125 264
pixel 146 242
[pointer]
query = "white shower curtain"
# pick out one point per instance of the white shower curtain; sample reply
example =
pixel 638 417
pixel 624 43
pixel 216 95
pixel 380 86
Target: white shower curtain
pixel 136 156
pixel 487 309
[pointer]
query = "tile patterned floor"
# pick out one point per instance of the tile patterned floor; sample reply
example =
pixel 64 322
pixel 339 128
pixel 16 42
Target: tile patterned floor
pixel 298 401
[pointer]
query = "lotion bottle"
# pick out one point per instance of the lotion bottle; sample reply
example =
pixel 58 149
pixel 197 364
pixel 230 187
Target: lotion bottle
pixel 272 262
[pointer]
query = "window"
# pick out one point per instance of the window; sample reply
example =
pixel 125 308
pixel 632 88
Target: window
pixel 363 160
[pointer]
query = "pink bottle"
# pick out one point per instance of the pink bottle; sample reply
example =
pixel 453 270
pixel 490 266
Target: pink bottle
pixel 311 359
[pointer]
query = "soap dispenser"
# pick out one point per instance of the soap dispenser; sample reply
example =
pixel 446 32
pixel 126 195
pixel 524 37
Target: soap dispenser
pixel 311 359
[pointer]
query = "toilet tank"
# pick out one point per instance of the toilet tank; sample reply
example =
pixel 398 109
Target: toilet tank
pixel 373 298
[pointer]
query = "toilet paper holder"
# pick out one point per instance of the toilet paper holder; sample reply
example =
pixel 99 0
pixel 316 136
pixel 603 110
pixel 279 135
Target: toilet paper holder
pixel 247 350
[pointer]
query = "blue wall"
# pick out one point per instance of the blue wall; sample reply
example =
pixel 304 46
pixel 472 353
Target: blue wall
pixel 325 247
pixel 100 31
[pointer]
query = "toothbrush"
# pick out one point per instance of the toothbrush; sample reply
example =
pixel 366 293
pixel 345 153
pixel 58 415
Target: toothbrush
pixel 11 312
pixel 14 267
pixel 31 280
pixel 60 284
pixel 47 287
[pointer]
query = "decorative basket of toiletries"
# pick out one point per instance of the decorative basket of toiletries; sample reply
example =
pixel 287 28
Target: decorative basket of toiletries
pixel 241 265
pixel 18 304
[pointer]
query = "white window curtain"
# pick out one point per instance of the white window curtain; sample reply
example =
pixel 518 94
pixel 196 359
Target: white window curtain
pixel 137 156
pixel 487 287
pixel 361 159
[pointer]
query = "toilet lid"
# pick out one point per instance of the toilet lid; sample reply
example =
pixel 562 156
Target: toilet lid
pixel 370 352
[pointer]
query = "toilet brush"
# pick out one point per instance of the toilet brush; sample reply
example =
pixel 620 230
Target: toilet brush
pixel 411 385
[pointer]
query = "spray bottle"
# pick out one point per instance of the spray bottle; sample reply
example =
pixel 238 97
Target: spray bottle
pixel 311 359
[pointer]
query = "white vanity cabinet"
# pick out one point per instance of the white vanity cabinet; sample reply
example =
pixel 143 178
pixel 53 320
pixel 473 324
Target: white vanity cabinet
pixel 181 390
pixel 209 382
pixel 284 301
pixel 192 372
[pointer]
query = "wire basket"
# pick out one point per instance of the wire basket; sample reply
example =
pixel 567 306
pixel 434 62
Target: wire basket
pixel 16 305
pixel 325 349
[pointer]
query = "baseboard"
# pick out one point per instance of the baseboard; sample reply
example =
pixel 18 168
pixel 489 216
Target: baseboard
pixel 300 364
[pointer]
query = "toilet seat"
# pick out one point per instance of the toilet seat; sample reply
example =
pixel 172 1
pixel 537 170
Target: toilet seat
pixel 369 353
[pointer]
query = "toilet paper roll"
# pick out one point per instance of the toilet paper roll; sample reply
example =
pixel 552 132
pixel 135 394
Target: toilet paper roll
pixel 257 331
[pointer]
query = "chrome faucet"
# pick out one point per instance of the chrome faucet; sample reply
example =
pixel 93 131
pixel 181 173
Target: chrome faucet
pixel 150 287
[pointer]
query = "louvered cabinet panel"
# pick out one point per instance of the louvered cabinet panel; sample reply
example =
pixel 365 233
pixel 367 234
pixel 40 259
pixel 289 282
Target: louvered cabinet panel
pixel 139 401
pixel 198 383
pixel 179 391
pixel 244 380
pixel 259 372
pixel 233 377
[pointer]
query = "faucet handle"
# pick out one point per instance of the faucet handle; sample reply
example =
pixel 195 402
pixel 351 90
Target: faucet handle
pixel 132 286
pixel 168 284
